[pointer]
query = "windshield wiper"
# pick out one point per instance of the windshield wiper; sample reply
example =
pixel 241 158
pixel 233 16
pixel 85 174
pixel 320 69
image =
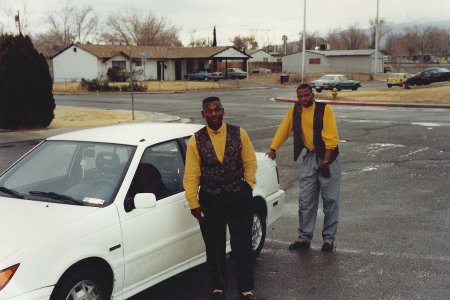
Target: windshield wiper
pixel 56 196
pixel 11 192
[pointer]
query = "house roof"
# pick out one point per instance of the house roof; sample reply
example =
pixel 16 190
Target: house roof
pixel 334 53
pixel 106 52
pixel 363 52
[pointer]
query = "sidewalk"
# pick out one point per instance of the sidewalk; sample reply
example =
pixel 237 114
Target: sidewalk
pixel 14 136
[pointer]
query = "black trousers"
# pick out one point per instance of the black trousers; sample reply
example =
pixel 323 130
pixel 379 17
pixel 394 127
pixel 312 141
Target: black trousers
pixel 234 210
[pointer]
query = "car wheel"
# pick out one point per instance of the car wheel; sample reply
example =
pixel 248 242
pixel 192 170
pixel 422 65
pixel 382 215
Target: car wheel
pixel 337 87
pixel 85 283
pixel 318 90
pixel 389 85
pixel 206 78
pixel 354 88
pixel 258 233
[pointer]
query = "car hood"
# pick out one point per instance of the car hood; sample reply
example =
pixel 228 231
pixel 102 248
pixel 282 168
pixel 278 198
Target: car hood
pixel 25 222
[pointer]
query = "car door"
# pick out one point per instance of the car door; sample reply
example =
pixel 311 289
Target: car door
pixel 162 240
pixel 344 83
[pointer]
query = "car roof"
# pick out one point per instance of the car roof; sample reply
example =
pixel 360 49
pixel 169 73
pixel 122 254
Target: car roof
pixel 131 134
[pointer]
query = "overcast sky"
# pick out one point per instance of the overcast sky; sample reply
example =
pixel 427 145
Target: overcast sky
pixel 268 20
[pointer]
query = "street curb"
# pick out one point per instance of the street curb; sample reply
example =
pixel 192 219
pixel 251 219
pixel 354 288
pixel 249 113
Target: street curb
pixel 374 104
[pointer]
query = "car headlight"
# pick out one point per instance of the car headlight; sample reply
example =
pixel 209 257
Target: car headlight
pixel 7 274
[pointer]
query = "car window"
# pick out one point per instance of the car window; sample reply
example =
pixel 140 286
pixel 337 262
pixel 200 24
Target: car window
pixel 85 171
pixel 36 167
pixel 160 171
pixel 342 78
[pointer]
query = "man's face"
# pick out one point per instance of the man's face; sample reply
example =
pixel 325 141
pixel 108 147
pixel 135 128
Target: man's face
pixel 213 114
pixel 305 97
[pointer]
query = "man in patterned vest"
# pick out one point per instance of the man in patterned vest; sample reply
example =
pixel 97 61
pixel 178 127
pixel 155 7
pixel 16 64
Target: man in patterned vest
pixel 314 128
pixel 221 161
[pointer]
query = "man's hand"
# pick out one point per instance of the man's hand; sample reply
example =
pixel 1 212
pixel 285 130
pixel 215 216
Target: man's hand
pixel 272 154
pixel 324 169
pixel 197 213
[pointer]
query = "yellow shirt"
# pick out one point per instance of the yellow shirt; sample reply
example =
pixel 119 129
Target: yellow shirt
pixel 191 180
pixel 329 133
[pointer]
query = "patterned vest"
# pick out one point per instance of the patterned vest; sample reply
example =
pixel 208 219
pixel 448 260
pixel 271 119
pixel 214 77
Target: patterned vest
pixel 319 144
pixel 219 177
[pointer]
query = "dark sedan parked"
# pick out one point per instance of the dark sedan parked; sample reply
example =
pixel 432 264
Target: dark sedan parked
pixel 338 81
pixel 428 76
pixel 204 74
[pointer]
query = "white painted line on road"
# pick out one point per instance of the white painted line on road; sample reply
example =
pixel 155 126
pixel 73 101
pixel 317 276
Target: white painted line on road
pixel 362 252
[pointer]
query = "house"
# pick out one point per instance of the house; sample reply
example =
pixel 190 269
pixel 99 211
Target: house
pixel 342 61
pixel 259 55
pixel 147 62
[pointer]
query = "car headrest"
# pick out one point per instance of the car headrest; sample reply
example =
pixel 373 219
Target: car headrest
pixel 107 161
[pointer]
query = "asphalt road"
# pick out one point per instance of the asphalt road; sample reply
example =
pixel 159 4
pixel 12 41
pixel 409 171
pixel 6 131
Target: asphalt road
pixel 394 230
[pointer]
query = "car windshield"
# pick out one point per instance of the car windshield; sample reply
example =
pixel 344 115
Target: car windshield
pixel 69 172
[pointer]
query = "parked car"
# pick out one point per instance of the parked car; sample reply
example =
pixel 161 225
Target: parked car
pixel 397 79
pixel 234 73
pixel 204 74
pixel 428 76
pixel 338 81
pixel 101 213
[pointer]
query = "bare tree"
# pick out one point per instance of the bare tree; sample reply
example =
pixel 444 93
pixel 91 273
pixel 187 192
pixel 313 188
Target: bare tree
pixel 198 42
pixel 86 23
pixel 135 28
pixel 411 42
pixel 16 17
pixel 245 42
pixel 71 24
pixel 435 41
pixel 354 38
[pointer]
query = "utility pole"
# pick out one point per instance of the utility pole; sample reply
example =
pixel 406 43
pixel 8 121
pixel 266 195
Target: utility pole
pixel 17 20
pixel 304 40
pixel 377 33
pixel 132 85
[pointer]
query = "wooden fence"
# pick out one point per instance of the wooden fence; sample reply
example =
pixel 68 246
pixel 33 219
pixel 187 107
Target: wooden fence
pixel 254 67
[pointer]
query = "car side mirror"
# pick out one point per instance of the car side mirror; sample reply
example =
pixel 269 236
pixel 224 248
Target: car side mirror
pixel 144 200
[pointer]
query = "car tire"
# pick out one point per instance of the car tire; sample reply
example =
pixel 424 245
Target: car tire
pixel 258 232
pixel 389 85
pixel 337 88
pixel 318 90
pixel 89 281
pixel 354 88
pixel 206 78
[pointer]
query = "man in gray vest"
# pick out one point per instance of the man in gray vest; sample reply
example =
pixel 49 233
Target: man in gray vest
pixel 220 173
pixel 314 128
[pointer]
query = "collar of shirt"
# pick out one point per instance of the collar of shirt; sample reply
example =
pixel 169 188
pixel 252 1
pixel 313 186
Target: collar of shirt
pixel 222 128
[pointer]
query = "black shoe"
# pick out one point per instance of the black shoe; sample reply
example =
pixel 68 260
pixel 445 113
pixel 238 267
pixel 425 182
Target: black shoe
pixel 328 246
pixel 299 244
pixel 247 297
pixel 217 296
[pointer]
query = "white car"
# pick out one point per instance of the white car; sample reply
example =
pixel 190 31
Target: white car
pixel 101 213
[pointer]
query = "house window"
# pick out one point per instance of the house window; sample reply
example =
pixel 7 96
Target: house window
pixel 119 64
pixel 137 63
pixel 314 61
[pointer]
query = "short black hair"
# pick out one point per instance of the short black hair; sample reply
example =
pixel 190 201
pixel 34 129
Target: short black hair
pixel 304 86
pixel 210 99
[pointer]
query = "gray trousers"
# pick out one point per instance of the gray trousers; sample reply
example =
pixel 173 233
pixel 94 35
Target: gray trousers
pixel 311 184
